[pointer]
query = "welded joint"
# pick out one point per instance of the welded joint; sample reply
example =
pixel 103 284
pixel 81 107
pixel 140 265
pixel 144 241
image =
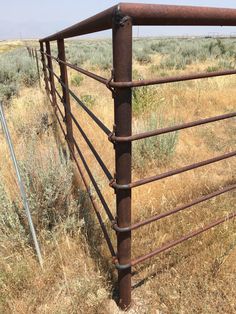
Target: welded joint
pixel 120 18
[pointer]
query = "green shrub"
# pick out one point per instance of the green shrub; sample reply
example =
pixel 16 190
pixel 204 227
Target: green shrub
pixel 76 80
pixel 143 57
pixel 89 100
pixel 16 69
pixel 156 149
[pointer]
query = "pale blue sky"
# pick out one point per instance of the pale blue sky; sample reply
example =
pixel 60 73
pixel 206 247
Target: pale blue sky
pixel 38 18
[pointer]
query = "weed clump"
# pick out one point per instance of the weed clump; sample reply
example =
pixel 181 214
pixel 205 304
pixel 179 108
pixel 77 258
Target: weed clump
pixel 157 149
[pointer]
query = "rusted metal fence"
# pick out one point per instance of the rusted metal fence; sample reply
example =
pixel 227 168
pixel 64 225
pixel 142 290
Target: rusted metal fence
pixel 121 19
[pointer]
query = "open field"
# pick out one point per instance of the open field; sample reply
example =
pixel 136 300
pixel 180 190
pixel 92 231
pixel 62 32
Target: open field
pixel 195 277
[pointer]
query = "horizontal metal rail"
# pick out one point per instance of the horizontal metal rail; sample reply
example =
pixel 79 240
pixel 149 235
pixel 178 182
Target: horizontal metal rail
pixel 95 153
pixel 176 210
pixel 172 172
pixel 90 145
pixel 100 196
pixel 59 96
pixel 94 204
pixel 78 101
pixel 158 81
pixel 187 125
pixel 172 79
pixel 149 14
pixel 78 69
pixel 190 235
pixel 59 109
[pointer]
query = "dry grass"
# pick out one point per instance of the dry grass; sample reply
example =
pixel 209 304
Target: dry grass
pixel 195 277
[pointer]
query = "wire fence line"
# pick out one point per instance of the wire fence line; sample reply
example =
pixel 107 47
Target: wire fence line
pixel 20 184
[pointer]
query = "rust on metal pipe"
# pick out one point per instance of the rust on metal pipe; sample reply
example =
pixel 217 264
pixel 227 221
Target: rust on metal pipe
pixel 155 14
pixel 176 210
pixel 37 65
pixel 51 77
pixel 95 185
pixel 172 79
pixel 118 186
pixel 86 109
pixel 94 203
pixel 96 23
pixel 65 93
pixel 190 235
pixel 122 65
pixel 83 71
pixel 187 125
pixel 92 148
pixel 150 14
pixel 44 67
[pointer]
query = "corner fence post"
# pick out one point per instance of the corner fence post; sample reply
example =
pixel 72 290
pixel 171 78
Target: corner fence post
pixel 44 67
pixel 65 92
pixel 122 65
pixel 51 76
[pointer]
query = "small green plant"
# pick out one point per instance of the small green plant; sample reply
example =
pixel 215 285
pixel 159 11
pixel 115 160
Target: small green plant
pixel 76 80
pixel 143 57
pixel 89 100
pixel 156 149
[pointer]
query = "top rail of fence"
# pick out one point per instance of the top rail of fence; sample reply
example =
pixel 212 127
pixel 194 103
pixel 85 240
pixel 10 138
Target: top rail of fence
pixel 150 14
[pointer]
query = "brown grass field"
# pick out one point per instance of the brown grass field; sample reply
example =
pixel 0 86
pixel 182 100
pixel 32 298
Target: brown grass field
pixel 197 276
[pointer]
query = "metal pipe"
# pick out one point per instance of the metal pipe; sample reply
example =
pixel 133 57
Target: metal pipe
pixel 122 65
pixel 155 14
pixel 65 93
pixel 118 186
pixel 175 210
pixel 37 65
pixel 51 77
pixel 150 14
pixel 78 69
pixel 44 67
pixel 96 23
pixel 182 239
pixel 183 126
pixel 172 79
pixel 92 148
pixel 86 109
pixel 94 203
pixel 21 186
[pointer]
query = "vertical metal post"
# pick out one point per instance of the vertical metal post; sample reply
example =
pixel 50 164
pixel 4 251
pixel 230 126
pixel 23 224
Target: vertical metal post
pixel 65 92
pixel 37 65
pixel 51 76
pixel 122 63
pixel 44 66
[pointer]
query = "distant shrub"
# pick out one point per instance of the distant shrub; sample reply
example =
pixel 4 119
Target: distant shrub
pixel 157 149
pixel 76 80
pixel 143 57
pixel 16 69
pixel 212 69
pixel 8 90
pixel 89 100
